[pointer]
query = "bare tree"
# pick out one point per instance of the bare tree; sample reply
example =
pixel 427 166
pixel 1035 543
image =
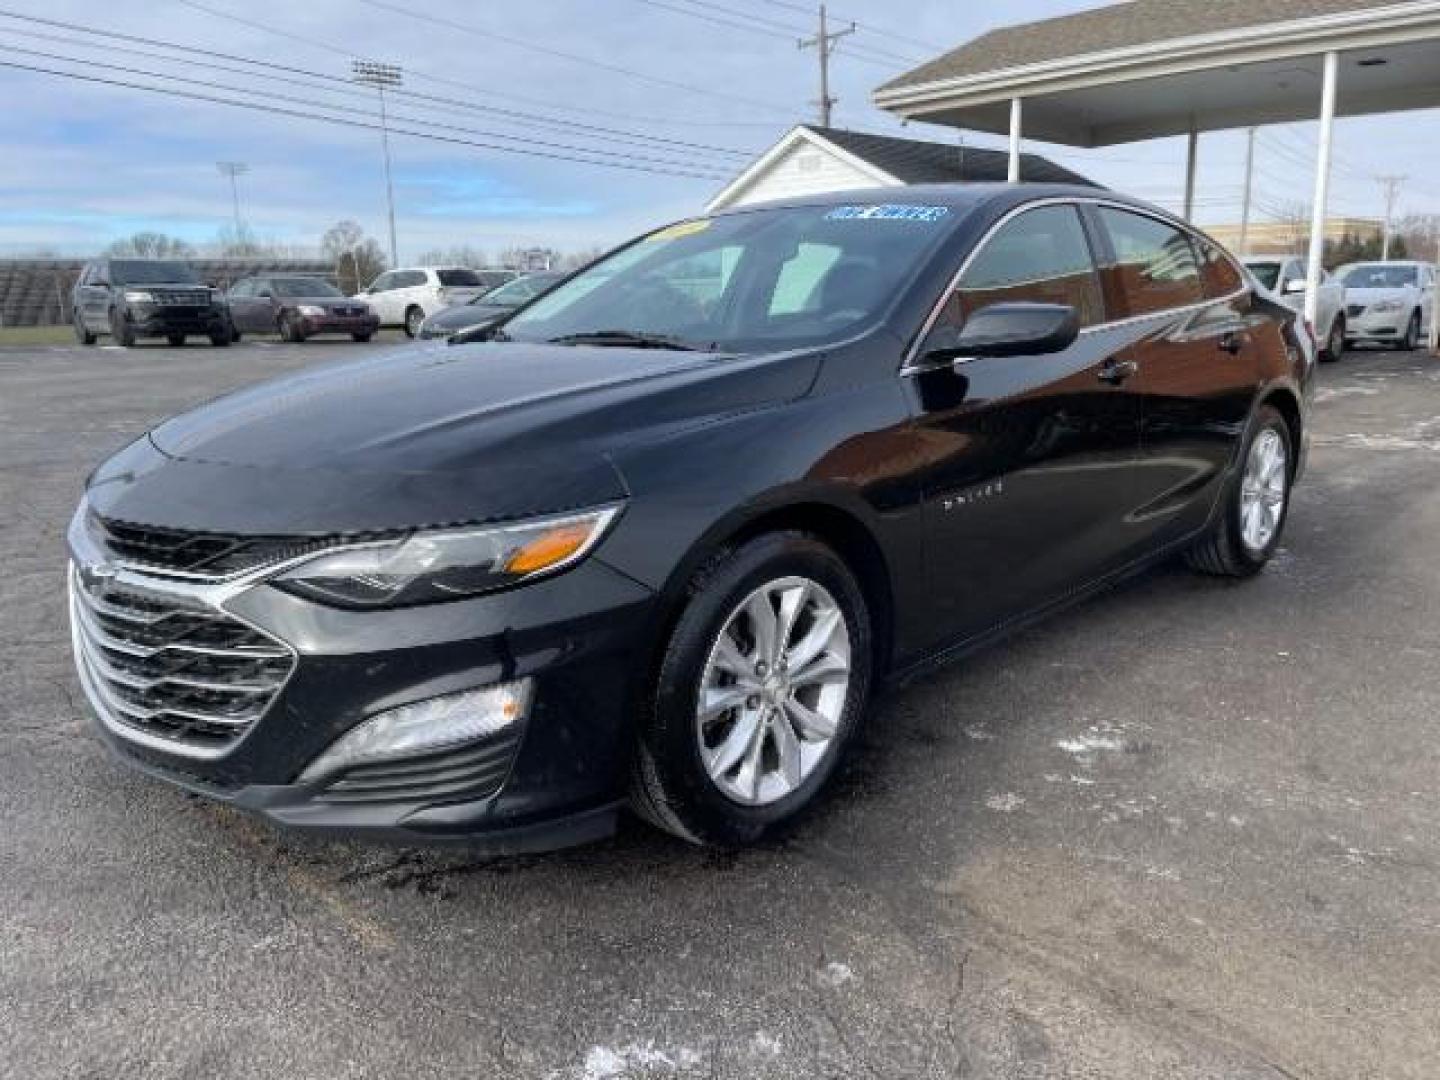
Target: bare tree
pixel 358 258
pixel 1420 234
pixel 151 245
pixel 578 259
pixel 462 255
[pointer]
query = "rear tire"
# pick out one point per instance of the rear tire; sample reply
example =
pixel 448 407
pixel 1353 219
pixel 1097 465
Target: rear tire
pixel 414 316
pixel 361 337
pixel 790 729
pixel 1238 544
pixel 223 339
pixel 175 340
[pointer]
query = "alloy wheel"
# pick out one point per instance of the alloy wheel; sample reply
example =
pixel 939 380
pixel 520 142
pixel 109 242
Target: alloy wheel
pixel 773 691
pixel 1263 490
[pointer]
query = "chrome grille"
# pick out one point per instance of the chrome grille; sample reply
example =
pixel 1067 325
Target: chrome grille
pixel 170 671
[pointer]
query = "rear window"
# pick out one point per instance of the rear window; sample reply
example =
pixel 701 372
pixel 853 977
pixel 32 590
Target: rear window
pixel 465 279
pixel 1155 266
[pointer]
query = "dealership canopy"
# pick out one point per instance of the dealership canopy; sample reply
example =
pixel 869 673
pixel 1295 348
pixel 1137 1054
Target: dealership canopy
pixel 1153 68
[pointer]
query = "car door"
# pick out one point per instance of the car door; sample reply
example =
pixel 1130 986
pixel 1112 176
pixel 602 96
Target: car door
pixel 1030 460
pixel 380 296
pixel 1195 339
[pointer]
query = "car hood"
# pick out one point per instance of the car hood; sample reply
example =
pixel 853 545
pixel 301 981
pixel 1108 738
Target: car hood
pixel 427 435
pixel 464 316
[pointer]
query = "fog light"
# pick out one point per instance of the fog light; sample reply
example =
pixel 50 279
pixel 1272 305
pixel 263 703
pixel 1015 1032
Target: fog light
pixel 426 726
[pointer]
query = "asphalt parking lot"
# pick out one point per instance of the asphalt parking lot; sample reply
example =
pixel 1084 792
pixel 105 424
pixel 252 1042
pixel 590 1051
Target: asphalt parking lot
pixel 1187 830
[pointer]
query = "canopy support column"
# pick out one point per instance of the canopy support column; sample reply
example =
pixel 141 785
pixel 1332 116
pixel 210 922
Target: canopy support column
pixel 1190 150
pixel 1322 187
pixel 1016 111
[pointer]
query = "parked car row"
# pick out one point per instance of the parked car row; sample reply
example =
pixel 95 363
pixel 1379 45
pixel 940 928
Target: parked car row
pixel 131 299
pixel 1388 302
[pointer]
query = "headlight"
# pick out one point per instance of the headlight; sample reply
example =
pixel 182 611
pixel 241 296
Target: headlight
pixel 310 311
pixel 139 296
pixel 432 566
pixel 1382 306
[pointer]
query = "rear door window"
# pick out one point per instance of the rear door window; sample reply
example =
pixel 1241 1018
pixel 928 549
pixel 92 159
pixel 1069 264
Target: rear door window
pixel 460 278
pixel 1155 267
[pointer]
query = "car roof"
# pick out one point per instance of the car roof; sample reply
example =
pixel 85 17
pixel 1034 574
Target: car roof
pixel 964 198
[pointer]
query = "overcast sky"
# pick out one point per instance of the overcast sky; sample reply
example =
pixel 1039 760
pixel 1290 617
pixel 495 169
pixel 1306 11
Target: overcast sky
pixel 83 164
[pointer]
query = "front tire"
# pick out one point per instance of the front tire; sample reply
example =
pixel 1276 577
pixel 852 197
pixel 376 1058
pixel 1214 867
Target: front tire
pixel 761 689
pixel 360 337
pixel 414 316
pixel 175 340
pixel 1411 341
pixel 120 329
pixel 82 335
pixel 1247 530
pixel 289 331
pixel 1335 343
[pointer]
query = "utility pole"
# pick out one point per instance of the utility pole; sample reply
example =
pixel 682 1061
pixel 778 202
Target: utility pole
pixel 232 169
pixel 1245 200
pixel 381 76
pixel 824 44
pixel 1391 184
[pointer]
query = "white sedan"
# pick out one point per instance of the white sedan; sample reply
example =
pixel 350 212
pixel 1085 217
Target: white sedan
pixel 1389 302
pixel 1284 275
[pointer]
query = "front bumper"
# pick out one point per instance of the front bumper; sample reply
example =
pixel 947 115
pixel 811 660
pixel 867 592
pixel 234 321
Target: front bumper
pixel 1370 325
pixel 339 324
pixel 555 779
pixel 151 320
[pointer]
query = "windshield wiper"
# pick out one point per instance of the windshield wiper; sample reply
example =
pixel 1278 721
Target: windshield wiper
pixel 624 339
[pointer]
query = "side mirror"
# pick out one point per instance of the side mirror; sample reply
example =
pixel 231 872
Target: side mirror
pixel 1293 286
pixel 1008 329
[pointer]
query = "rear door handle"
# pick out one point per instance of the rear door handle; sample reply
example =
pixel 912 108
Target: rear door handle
pixel 1232 342
pixel 1116 372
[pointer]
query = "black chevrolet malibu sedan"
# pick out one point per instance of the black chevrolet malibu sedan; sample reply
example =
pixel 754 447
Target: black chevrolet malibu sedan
pixel 659 538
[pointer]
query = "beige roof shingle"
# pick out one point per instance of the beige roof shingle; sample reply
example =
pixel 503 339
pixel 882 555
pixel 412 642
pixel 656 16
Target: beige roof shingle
pixel 1115 26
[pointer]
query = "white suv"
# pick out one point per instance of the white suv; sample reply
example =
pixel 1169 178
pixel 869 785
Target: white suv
pixel 405 297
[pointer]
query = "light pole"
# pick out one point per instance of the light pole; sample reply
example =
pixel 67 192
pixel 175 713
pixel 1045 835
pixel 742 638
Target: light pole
pixel 232 169
pixel 380 76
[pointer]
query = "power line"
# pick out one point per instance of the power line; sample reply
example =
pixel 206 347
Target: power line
pixel 339 85
pixel 489 91
pixel 545 50
pixel 743 20
pixel 790 5
pixel 279 110
pixel 291 99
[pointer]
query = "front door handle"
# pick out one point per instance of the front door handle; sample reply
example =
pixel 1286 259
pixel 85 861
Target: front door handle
pixel 1116 372
pixel 1232 342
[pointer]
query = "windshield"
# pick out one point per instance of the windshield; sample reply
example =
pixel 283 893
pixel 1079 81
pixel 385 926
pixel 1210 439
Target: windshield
pixel 1378 276
pixel 1267 273
pixel 465 279
pixel 302 286
pixel 750 281
pixel 145 272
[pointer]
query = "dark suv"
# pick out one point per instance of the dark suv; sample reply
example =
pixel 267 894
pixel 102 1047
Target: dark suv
pixel 659 536
pixel 131 299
